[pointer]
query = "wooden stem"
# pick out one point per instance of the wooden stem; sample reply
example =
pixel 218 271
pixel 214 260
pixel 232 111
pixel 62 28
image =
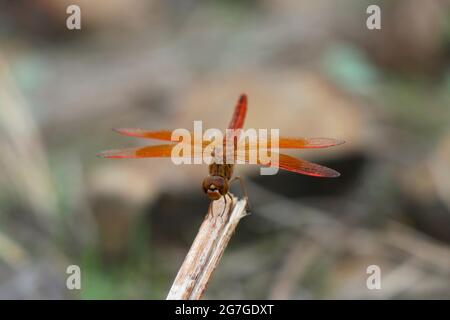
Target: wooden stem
pixel 207 248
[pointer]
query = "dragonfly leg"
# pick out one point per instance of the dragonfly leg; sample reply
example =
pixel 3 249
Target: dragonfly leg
pixel 224 204
pixel 244 191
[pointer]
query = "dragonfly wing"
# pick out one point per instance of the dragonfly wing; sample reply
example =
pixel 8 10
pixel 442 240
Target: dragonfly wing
pixel 305 167
pixel 284 162
pixel 302 143
pixel 237 122
pixel 292 164
pixel 159 151
pixel 164 135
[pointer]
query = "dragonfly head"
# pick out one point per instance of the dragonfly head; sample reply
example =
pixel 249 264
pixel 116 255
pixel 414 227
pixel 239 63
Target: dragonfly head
pixel 215 187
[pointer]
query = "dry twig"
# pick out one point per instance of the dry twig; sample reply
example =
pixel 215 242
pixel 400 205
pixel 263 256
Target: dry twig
pixel 207 249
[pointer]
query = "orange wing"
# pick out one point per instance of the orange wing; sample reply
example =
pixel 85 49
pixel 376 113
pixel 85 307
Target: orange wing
pixel 304 167
pixel 292 164
pixel 284 143
pixel 285 162
pixel 237 122
pixel 159 151
pixel 164 135
pixel 307 143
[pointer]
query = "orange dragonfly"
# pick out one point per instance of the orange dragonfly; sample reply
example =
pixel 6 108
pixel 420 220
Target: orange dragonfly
pixel 217 183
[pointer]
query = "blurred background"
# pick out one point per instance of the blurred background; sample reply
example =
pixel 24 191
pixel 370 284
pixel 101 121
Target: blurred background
pixel 310 68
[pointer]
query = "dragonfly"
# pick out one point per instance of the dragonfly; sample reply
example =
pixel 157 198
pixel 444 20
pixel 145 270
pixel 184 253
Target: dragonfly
pixel 217 183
